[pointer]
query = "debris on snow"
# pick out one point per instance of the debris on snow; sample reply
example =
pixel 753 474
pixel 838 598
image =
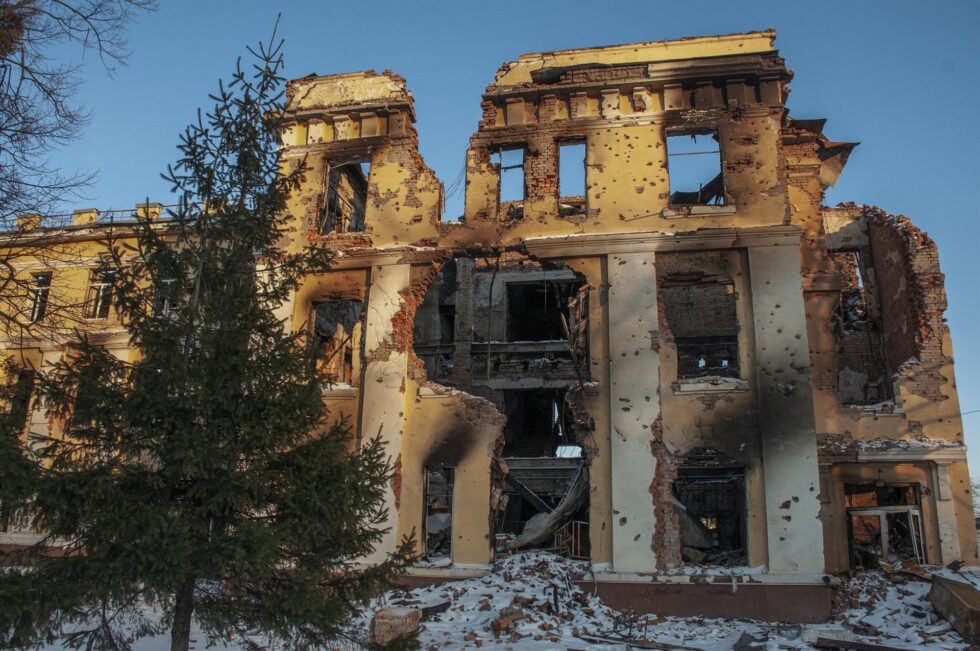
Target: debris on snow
pixel 529 601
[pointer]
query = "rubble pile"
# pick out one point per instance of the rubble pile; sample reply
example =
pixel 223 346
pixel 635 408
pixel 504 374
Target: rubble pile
pixel 894 608
pixel 529 601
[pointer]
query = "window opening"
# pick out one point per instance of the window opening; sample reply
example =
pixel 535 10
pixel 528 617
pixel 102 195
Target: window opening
pixel 547 506
pixel 163 298
pixel 540 310
pixel 571 178
pixel 695 171
pixel 710 501
pixel 539 424
pixel 346 198
pixel 510 162
pixel 337 330
pixel 100 293
pixel 862 375
pixel 447 324
pixel 703 320
pixel 438 490
pixel 40 292
pixel 884 524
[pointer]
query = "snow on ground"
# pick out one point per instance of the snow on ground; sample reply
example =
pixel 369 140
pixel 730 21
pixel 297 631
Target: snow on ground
pixel 514 607
pixel 528 601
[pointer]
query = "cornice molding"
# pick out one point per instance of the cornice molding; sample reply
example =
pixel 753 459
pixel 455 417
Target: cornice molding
pixel 715 238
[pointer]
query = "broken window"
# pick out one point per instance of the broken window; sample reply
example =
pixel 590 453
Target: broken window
pixel 538 422
pixel 40 292
pixel 438 490
pixel 434 325
pixel 510 162
pixel 100 293
pixel 862 376
pixel 571 178
pixel 539 310
pixel 346 199
pixel 710 501
pixel 884 523
pixel 701 315
pixel 337 331
pixel 163 298
pixel 694 168
pixel 547 506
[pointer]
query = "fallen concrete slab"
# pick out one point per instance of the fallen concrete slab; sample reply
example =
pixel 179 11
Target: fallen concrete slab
pixel 959 603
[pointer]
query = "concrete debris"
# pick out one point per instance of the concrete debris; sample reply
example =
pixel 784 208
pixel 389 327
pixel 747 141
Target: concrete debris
pixel 389 624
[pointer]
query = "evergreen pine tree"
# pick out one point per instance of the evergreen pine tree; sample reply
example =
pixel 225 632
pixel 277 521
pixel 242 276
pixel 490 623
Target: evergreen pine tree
pixel 203 477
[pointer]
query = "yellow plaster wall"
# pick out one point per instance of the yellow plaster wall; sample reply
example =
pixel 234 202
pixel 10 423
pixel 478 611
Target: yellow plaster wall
pixel 519 72
pixel 456 430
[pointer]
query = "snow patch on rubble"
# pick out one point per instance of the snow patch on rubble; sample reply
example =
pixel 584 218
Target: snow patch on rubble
pixel 528 601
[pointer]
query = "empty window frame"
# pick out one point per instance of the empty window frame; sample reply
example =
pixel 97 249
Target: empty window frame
pixel 540 311
pixel 703 321
pixel 337 328
pixel 100 293
pixel 539 423
pixel 571 178
pixel 695 170
pixel 438 491
pixel 163 298
pixel 40 293
pixel 346 199
pixel 862 373
pixel 711 508
pixel 884 523
pixel 510 162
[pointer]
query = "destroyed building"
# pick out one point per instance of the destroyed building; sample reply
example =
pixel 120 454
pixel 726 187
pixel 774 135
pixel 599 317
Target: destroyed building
pixel 647 343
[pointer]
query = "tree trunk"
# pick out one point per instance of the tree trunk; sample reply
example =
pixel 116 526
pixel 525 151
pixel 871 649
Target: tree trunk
pixel 180 633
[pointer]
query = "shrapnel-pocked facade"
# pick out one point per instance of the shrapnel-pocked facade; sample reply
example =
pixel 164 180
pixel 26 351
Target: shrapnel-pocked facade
pixel 647 343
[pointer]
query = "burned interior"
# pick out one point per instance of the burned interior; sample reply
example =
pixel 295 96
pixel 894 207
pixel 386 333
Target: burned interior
pixel 711 504
pixel 863 374
pixel 514 331
pixel 884 524
pixel 343 211
pixel 337 329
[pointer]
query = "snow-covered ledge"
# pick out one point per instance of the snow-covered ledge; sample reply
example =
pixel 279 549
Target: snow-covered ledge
pixel 731 575
pixel 339 391
pixel 698 211
pixel 17 538
pixel 710 384
pixel 454 571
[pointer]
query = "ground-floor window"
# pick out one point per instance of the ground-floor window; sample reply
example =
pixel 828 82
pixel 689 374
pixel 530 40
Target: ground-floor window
pixel 438 490
pixel 710 501
pixel 884 524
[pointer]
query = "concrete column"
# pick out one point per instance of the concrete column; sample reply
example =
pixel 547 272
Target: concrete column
pixel 786 419
pixel 382 396
pixel 949 541
pixel 634 405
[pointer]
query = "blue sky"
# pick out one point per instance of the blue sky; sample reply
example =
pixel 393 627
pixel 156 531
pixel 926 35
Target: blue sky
pixel 900 77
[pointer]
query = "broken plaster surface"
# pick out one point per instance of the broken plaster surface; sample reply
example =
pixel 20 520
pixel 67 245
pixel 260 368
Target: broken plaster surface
pixel 634 408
